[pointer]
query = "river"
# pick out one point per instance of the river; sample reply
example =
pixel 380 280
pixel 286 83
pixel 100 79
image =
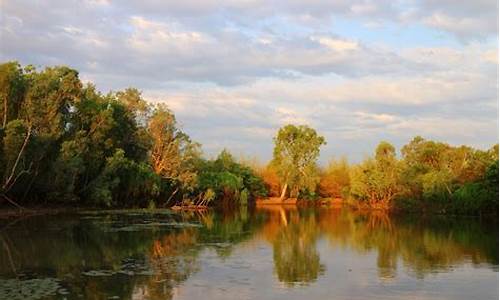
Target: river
pixel 265 253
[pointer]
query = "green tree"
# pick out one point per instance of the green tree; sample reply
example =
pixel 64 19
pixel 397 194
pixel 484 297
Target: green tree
pixel 296 149
pixel 61 141
pixel 377 180
pixel 12 89
pixel 433 171
pixel 231 182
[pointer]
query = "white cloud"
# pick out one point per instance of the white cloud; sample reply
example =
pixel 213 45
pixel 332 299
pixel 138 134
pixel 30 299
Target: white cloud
pixel 464 27
pixel 286 116
pixel 383 118
pixel 234 71
pixel 336 44
pixel 150 37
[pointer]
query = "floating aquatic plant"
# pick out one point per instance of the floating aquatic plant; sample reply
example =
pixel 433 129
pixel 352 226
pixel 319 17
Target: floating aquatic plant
pixel 37 288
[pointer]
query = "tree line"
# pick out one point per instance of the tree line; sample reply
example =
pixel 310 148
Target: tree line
pixel 427 176
pixel 64 142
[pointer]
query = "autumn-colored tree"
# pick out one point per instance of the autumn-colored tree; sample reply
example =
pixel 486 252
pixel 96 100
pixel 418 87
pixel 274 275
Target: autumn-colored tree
pixel 173 154
pixel 272 180
pixel 335 179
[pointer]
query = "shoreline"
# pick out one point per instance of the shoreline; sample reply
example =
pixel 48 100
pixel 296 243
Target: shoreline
pixel 6 213
pixel 262 203
pixel 299 202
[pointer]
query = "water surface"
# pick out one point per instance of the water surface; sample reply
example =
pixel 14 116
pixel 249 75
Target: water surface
pixel 275 253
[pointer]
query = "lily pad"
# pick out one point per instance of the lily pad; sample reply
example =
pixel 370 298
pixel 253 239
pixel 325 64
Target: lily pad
pixel 37 288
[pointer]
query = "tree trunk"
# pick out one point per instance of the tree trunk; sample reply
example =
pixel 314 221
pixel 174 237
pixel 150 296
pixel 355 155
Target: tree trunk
pixel 171 196
pixel 8 183
pixel 5 107
pixel 283 192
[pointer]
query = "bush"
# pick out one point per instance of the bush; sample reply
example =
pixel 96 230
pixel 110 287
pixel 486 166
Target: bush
pixel 308 195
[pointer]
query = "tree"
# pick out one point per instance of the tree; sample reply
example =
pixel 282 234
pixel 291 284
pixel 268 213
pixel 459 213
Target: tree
pixel 335 180
pixel 376 180
pixel 40 103
pixel 230 182
pixel 173 154
pixel 62 141
pixel 270 177
pixel 14 144
pixel 432 171
pixel 12 89
pixel 296 149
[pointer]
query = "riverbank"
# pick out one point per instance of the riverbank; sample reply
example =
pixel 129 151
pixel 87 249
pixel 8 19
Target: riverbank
pixel 271 202
pixel 336 202
pixel 6 213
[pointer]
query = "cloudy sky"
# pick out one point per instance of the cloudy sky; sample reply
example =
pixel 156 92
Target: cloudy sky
pixel 235 71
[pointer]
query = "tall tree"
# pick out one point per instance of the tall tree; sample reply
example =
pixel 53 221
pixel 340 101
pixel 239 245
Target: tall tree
pixel 296 149
pixel 12 88
pixel 40 115
pixel 173 154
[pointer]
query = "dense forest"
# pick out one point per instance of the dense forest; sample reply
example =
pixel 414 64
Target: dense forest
pixel 63 142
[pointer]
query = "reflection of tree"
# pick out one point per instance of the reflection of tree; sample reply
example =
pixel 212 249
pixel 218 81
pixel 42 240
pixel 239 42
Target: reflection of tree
pixel 379 227
pixel 150 259
pixel 132 257
pixel 423 245
pixel 172 261
pixel 296 259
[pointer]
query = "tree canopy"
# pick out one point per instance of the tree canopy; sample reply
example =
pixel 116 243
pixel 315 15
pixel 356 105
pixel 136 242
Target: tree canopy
pixel 296 149
pixel 64 142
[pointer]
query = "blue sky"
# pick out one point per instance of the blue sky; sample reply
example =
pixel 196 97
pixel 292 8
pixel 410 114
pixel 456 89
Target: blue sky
pixel 235 71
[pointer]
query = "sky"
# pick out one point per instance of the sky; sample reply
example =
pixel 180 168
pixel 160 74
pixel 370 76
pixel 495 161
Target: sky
pixel 235 71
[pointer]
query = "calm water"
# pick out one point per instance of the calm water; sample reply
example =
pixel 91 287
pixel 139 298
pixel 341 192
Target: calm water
pixel 263 254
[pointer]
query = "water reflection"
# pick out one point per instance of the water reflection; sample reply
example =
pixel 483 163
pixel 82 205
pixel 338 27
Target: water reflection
pixel 136 254
pixel 296 258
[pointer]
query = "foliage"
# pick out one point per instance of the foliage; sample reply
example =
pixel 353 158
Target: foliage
pixel 335 180
pixel 480 197
pixel 63 142
pixel 295 153
pixel 173 154
pixel 376 181
pixel 431 176
pixel 230 181
pixel 271 180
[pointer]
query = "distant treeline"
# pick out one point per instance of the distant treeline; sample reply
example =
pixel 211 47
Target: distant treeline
pixel 63 142
pixel 429 176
